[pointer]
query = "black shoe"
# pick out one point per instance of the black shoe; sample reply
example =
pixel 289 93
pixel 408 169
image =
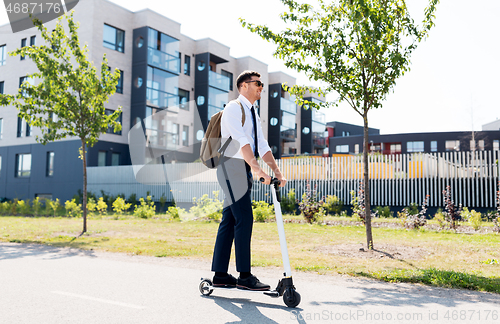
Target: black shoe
pixel 224 282
pixel 252 283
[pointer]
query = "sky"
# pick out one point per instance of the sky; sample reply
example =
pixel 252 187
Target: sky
pixel 452 84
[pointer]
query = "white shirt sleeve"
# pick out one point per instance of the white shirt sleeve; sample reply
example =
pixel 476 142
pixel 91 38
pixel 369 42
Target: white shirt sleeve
pixel 231 124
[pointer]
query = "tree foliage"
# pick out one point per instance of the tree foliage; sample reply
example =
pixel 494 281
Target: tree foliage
pixel 66 97
pixel 355 48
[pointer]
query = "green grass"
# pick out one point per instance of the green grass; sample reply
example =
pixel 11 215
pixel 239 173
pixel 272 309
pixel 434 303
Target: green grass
pixel 439 278
pixel 464 261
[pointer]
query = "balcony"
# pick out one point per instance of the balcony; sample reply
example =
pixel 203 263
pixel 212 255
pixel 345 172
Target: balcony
pixel 218 81
pixel 160 99
pixel 161 139
pixel 319 140
pixel 288 134
pixel 164 61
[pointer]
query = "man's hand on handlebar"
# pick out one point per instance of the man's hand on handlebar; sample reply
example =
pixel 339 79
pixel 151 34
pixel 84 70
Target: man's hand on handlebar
pixel 262 175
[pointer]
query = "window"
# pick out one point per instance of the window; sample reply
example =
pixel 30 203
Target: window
pixel 32 40
pixel 417 146
pixel 114 38
pixel 496 145
pixel 22 80
pixel 28 130
pixel 111 129
pixel 480 145
pixel 230 76
pixel 23 44
pixel 395 148
pixel 3 54
pixel 1 128
pixel 185 135
pixel 434 146
pixel 20 127
pixel 356 148
pixel 187 65
pixel 1 84
pixel 49 170
pixel 119 85
pixel 115 159
pixel 23 165
pixel 101 158
pixel 452 145
pixel 0 164
pixel 342 148
pixel 175 133
pixel 344 134
pixel 183 99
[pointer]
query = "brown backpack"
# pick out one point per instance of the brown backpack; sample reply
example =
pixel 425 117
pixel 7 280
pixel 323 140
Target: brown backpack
pixel 211 151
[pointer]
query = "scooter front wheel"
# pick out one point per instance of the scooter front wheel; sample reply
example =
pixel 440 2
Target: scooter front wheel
pixel 291 298
pixel 205 287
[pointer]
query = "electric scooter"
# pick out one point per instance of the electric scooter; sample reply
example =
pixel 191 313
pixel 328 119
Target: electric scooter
pixel 285 286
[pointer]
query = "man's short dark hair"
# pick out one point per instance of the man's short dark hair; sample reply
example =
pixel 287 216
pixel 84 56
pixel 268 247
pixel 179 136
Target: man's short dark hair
pixel 246 76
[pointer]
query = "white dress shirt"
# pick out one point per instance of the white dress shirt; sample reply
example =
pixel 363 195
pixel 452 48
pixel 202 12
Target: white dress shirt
pixel 231 126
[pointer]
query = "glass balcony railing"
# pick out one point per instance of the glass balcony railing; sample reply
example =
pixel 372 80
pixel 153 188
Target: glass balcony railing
pixel 164 61
pixel 288 134
pixel 160 99
pixel 218 81
pixel 288 106
pixel 319 139
pixel 161 139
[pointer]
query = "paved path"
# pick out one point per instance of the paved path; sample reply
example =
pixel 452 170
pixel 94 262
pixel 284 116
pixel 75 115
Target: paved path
pixel 41 284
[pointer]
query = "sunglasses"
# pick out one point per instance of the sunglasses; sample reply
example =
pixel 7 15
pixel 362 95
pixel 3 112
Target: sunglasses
pixel 257 83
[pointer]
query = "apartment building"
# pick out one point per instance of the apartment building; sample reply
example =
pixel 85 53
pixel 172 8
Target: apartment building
pixel 163 73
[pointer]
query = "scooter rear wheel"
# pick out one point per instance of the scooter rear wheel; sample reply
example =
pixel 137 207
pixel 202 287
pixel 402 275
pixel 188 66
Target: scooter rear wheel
pixel 205 286
pixel 291 300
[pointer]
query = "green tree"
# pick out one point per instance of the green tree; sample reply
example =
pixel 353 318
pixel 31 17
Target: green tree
pixel 67 95
pixel 356 48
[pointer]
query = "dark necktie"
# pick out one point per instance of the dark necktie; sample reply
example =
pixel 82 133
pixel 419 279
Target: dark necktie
pixel 256 151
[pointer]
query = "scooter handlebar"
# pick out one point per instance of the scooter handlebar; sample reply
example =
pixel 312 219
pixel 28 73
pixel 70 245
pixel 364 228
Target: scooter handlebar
pixel 276 183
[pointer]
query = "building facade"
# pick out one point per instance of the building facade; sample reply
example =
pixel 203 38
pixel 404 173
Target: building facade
pixel 346 138
pixel 163 73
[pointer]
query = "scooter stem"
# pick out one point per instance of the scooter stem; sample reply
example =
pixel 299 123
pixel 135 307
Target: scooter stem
pixel 281 233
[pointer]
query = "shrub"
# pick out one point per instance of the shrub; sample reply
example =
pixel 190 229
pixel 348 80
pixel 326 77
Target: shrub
pixel 5 208
pixel 54 205
pixel 452 213
pixel 73 208
pixel 333 205
pixel 472 217
pixel 37 206
pixel 206 206
pixel 102 206
pixel 146 209
pixel 288 202
pixel 14 207
pixel 91 205
pixel 496 220
pixel 412 221
pixel 262 211
pixel 384 211
pixel 358 203
pixel 310 207
pixel 175 212
pixel 439 217
pixel 119 205
pixel 23 207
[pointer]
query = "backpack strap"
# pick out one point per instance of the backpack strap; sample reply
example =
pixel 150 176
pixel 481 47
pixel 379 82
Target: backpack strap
pixel 243 115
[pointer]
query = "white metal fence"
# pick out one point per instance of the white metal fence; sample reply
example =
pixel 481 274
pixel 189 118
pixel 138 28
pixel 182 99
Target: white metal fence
pixel 395 180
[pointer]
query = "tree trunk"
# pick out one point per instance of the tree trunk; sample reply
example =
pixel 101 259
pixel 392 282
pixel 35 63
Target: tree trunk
pixel 368 213
pixel 84 202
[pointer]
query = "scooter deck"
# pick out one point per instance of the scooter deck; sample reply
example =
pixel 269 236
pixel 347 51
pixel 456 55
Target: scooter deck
pixel 270 293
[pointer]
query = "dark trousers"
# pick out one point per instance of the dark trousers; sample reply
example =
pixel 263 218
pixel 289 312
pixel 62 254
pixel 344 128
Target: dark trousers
pixel 235 179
